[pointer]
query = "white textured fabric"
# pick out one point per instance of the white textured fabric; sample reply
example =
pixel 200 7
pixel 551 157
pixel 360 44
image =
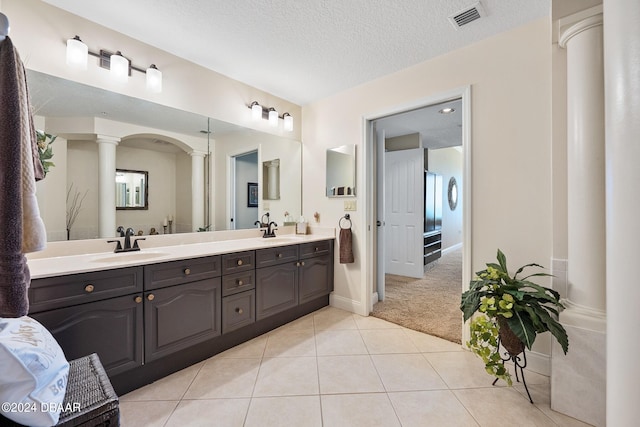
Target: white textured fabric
pixel 33 373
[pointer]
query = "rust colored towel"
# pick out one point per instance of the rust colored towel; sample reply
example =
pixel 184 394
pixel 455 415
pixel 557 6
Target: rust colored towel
pixel 346 246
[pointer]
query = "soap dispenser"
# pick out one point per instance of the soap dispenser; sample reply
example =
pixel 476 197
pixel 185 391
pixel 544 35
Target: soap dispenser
pixel 301 226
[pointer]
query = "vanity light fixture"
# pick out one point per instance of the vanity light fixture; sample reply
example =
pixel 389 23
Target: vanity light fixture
pixel 273 117
pixel 119 66
pixel 77 53
pixel 271 114
pixel 447 110
pixel 256 110
pixel 288 122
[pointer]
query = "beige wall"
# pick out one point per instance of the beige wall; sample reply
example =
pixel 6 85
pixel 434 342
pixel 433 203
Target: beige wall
pixel 510 79
pixel 448 163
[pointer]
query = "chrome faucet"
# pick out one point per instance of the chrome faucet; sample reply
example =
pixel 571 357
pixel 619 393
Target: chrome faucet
pixel 270 232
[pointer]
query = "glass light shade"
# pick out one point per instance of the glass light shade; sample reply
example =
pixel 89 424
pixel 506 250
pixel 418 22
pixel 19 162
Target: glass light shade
pixel 273 117
pixel 154 79
pixel 119 67
pixel 256 111
pixel 288 122
pixel 77 53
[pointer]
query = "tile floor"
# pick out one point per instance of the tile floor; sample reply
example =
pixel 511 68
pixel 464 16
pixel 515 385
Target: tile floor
pixel 334 368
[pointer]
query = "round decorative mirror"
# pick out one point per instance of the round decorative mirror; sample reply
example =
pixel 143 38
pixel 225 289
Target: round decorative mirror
pixel 452 194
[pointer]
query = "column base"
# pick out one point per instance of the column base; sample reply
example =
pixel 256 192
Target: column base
pixel 578 379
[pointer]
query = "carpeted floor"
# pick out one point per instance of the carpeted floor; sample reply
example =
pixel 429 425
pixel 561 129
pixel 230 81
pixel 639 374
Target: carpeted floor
pixel 430 304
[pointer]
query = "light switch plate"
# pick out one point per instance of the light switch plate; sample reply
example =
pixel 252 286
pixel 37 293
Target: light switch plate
pixel 349 205
pixel 265 206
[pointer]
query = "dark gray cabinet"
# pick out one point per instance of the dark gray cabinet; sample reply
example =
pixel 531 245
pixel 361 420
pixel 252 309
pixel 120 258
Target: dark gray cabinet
pixel 301 273
pixel 238 310
pixel 180 316
pixel 113 328
pixel 276 289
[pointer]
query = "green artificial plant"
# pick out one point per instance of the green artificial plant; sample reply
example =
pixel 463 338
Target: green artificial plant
pixel 45 150
pixel 505 301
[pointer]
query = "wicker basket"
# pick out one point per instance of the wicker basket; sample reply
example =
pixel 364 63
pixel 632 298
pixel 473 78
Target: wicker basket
pixel 508 339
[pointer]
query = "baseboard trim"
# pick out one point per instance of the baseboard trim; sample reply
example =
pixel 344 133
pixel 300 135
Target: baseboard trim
pixel 539 363
pixel 347 304
pixel 451 248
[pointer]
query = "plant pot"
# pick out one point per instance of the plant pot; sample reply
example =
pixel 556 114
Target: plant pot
pixel 508 339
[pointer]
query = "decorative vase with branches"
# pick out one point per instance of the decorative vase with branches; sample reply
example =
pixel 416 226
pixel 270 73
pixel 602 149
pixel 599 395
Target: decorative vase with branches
pixel 74 205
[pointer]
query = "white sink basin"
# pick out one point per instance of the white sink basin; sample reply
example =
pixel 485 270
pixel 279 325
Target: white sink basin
pixel 129 256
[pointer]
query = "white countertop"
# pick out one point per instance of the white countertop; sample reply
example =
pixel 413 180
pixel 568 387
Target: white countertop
pixel 49 266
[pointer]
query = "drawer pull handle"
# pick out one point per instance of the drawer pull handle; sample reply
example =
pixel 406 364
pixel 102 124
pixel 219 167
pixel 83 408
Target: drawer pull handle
pixel 279 255
pixel 239 310
pixel 151 297
pixel 239 282
pixel 138 299
pixel 240 262
pixel 187 271
pixel 89 288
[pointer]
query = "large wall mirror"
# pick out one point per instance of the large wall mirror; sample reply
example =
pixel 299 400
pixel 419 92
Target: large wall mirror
pixel 341 171
pixel 166 143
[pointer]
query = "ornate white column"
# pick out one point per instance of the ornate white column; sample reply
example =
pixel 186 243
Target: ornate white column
pixel 107 185
pixel 622 102
pixel 197 189
pixel 273 178
pixel 578 380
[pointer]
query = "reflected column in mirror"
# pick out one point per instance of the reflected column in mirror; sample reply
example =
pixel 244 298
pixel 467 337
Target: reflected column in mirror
pixel 341 171
pixel 132 189
pixel 271 179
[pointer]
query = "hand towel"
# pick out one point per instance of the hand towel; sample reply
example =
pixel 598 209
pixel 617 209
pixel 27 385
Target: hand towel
pixel 20 222
pixel 346 246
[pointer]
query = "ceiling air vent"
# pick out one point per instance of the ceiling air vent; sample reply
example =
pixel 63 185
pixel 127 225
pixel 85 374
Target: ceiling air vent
pixel 469 14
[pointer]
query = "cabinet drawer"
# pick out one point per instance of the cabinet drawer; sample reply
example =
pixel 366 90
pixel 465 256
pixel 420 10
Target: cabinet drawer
pixel 322 247
pixel 184 271
pixel 277 255
pixel 237 262
pixel 238 310
pixel 239 282
pixel 63 291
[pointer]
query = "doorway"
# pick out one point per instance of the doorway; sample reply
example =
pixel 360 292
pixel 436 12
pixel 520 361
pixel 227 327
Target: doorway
pixel 244 191
pixel 378 129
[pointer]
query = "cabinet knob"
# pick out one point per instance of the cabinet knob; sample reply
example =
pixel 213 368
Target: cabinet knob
pixel 239 310
pixel 187 271
pixel 302 263
pixel 298 264
pixel 138 299
pixel 240 262
pixel 151 297
pixel 89 288
pixel 239 282
pixel 317 249
pixel 279 255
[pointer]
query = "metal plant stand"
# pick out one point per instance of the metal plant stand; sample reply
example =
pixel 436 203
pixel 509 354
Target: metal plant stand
pixel 519 363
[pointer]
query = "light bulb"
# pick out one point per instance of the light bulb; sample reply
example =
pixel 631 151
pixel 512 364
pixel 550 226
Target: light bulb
pixel 288 122
pixel 256 111
pixel 273 117
pixel 77 53
pixel 119 67
pixel 154 79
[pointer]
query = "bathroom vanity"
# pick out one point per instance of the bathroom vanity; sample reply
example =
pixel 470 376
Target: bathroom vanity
pixel 150 313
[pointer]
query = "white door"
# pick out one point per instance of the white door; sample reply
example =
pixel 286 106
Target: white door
pixel 379 136
pixel 404 212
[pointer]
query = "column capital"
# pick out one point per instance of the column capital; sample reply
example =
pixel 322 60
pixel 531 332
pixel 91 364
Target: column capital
pixel 196 153
pixel 105 139
pixel 570 27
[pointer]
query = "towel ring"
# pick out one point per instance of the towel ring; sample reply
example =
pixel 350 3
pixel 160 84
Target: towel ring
pixel 345 217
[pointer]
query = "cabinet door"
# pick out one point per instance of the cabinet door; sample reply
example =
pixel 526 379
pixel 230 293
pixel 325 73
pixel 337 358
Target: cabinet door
pixel 316 277
pixel 276 289
pixel 180 316
pixel 112 328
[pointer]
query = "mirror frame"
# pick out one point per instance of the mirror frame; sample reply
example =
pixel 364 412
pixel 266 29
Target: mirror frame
pixel 146 192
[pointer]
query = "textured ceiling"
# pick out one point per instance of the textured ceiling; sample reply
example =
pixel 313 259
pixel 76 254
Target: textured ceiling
pixel 304 50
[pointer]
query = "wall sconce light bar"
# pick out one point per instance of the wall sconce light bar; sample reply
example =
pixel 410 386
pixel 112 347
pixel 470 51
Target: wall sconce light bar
pixel 259 112
pixel 78 52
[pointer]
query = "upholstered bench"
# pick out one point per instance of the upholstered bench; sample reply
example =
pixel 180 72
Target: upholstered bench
pixel 90 399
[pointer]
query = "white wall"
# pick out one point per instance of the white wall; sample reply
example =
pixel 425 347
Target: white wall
pixel 510 79
pixel 448 163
